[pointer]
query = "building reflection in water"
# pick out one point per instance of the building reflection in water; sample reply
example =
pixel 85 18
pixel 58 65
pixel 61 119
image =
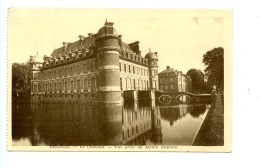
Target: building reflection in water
pixel 85 124
pixel 141 122
pixel 173 114
pixel 181 123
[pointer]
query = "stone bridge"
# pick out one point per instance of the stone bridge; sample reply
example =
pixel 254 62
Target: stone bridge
pixel 181 97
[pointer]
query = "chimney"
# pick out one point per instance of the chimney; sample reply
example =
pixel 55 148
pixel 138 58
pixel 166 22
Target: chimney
pixel 109 24
pixel 155 53
pixel 168 67
pixel 81 37
pixel 31 58
pixel 120 40
pixel 90 34
pixel 65 44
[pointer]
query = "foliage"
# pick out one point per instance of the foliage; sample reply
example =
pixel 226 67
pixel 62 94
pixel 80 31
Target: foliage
pixel 21 78
pixel 197 79
pixel 214 62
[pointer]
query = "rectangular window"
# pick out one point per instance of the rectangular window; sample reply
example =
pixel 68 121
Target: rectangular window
pixel 129 68
pixel 124 67
pixel 133 70
pixel 60 72
pixel 65 73
pixel 71 85
pixel 77 69
pixel 78 84
pixel 121 87
pixel 66 87
pixel 60 87
pixel 39 87
pixel 92 67
pixel 85 83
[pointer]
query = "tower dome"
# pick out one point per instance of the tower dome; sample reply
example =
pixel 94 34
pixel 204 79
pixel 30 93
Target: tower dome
pixel 37 58
pixel 151 55
pixel 107 30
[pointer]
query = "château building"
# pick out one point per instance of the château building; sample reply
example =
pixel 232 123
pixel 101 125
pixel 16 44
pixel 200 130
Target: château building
pixel 97 67
pixel 174 81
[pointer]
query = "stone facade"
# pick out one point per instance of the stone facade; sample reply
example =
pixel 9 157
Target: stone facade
pixel 98 67
pixel 174 81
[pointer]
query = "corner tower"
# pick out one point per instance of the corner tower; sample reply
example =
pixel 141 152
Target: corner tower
pixel 153 70
pixel 35 66
pixel 108 48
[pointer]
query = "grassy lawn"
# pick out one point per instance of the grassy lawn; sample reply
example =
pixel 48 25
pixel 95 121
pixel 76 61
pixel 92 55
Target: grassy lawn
pixel 212 130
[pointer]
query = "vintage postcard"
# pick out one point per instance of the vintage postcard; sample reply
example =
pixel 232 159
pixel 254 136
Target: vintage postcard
pixel 119 80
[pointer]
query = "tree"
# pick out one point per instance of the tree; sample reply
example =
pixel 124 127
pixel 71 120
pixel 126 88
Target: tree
pixel 197 79
pixel 214 62
pixel 21 81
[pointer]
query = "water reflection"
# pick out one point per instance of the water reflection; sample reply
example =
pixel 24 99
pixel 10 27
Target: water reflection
pixel 181 123
pixel 85 124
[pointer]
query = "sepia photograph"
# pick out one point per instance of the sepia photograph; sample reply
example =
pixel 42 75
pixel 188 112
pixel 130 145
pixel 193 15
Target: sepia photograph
pixel 85 79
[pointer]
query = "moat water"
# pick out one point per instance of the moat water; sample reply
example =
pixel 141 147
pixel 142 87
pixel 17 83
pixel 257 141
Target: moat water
pixel 143 123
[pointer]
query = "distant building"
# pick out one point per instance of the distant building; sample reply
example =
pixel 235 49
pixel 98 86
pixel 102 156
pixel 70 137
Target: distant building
pixel 98 67
pixel 174 81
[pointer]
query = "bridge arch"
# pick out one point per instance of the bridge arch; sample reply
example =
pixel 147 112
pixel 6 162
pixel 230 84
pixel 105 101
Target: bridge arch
pixel 165 99
pixel 187 97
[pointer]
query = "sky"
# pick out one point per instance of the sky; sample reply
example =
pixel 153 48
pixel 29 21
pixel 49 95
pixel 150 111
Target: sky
pixel 180 37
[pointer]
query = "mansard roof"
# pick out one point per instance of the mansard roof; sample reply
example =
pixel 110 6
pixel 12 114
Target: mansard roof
pixel 126 47
pixel 87 42
pixel 168 71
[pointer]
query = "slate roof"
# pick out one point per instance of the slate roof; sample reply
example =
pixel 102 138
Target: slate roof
pixel 168 71
pixel 71 47
pixel 126 47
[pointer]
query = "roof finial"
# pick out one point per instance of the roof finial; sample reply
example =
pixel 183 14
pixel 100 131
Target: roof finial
pixel 149 49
